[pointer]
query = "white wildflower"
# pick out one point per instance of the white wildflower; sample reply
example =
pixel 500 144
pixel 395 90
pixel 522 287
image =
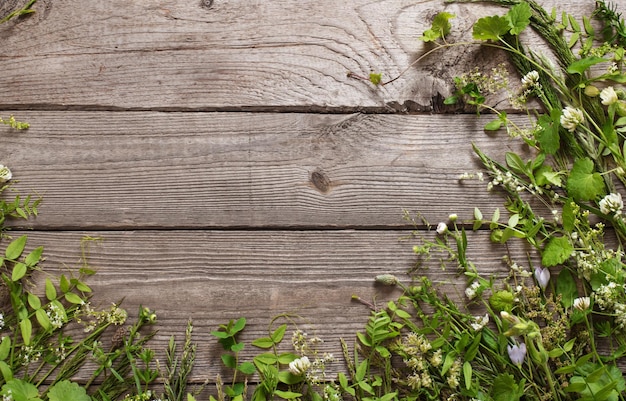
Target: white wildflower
pixel 299 366
pixel 571 118
pixel 442 228
pixel 612 204
pixel 582 303
pixel 5 174
pixel 530 80
pixel 608 96
pixel 472 290
pixel 480 322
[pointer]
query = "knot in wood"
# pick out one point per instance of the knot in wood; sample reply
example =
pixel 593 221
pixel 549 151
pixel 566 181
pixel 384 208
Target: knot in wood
pixel 321 181
pixel 206 3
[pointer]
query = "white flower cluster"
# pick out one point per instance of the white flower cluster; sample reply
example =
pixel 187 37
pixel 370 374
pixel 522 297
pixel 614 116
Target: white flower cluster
pixel 472 291
pixel 5 174
pixel 310 364
pixel 480 322
pixel 612 204
pixel 571 118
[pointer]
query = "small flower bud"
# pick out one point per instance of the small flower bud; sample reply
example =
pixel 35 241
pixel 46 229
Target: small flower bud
pixel 542 275
pixel 387 279
pixel 299 366
pixel 591 91
pixel 442 228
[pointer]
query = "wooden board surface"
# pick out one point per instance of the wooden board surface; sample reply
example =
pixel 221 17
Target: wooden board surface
pixel 228 162
pixel 131 170
pixel 236 54
pixel 214 276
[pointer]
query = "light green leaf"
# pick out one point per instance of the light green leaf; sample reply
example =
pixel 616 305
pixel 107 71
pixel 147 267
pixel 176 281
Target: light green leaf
pixel 51 292
pixel 43 319
pixel 20 390
pixel 287 395
pixel 583 183
pixel 34 301
pixel 556 251
pixel 247 368
pixel 493 125
pixel 467 374
pixel 34 257
pixel 279 333
pixel 19 271
pixel 440 27
pixel 491 28
pixel 16 247
pixel 376 78
pixel 26 329
pixel 73 298
pixel 519 17
pixel 66 390
pixel 5 348
pixel 263 342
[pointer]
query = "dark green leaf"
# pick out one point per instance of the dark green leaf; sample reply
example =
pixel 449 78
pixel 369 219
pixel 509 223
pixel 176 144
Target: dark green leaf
pixel 566 286
pixel 229 361
pixel 548 136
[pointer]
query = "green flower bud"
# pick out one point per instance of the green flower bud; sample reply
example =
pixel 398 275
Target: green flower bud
pixel 591 91
pixel 502 301
pixel 387 279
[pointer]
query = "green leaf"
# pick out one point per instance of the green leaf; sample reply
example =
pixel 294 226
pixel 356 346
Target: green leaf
pixel 287 357
pixel 287 395
pixel 237 347
pixel 491 28
pixel 467 374
pixel 580 66
pixel 548 136
pixel 376 78
pixel 238 326
pixel 263 342
pixel 279 333
pixel 289 378
pixel 583 183
pixel 20 390
pixel 64 284
pixel 493 125
pixel 34 257
pixel 33 301
pixel 556 251
pixel 73 298
pixel 516 163
pixel 505 388
pixel 26 329
pixel 229 361
pixel 66 390
pixel 566 286
pixel 19 271
pixel 15 248
pixel 5 348
pixel 519 17
pixel 43 319
pixel 5 370
pixel 51 292
pixel 247 368
pixel 266 359
pixel 440 27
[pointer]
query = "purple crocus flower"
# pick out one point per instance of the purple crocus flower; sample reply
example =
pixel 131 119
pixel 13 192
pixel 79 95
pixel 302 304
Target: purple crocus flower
pixel 517 353
pixel 542 275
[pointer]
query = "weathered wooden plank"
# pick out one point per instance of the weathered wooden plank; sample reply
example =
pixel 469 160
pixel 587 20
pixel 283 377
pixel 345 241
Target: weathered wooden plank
pixel 214 276
pixel 197 170
pixel 179 55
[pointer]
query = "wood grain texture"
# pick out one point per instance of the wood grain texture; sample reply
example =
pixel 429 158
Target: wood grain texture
pixel 236 54
pixel 201 170
pixel 214 276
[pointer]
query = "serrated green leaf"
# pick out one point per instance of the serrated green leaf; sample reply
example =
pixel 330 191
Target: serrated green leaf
pixel 583 183
pixel 247 368
pixel 548 136
pixel 519 17
pixel 440 27
pixel 556 251
pixel 505 388
pixel 21 390
pixel 491 28
pixel 229 361
pixel 15 248
pixel 66 390
pixel 237 347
